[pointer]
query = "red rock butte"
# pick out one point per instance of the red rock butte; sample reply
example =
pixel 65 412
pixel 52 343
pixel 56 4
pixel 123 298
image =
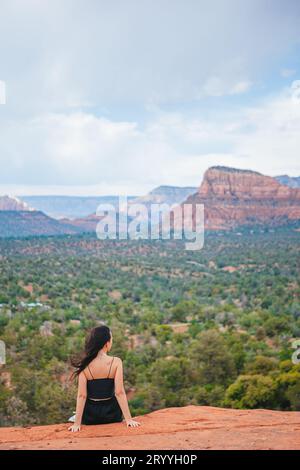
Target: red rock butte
pixel 190 427
pixel 234 198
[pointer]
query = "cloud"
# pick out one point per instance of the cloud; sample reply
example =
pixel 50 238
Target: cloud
pixel 83 150
pixel 134 94
pixel 287 73
pixel 2 92
pixel 112 54
pixel 240 87
pixel 295 90
pixel 215 86
pixel 273 141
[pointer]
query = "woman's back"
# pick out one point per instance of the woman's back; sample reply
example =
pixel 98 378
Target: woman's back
pixel 100 374
pixel 101 397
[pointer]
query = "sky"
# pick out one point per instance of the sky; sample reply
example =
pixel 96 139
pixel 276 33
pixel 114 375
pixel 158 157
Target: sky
pixel 119 97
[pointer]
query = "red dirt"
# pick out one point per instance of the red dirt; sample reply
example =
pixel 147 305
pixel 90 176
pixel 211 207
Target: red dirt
pixel 190 427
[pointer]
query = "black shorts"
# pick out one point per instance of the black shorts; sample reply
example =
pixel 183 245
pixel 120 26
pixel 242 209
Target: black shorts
pixel 102 412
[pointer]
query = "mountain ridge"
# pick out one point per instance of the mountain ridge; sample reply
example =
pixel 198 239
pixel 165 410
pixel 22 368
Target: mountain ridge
pixel 70 207
pixel 19 224
pixel 232 198
pixel 291 181
pixel 165 194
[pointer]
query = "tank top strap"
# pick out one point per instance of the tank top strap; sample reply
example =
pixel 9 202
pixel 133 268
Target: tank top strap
pixel 110 367
pixel 90 372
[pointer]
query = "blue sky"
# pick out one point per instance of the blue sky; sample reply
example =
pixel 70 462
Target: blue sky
pixel 121 96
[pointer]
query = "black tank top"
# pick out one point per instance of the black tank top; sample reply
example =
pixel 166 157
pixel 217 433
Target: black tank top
pixel 99 389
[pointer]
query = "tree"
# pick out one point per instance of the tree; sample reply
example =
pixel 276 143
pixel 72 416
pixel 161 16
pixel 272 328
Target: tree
pixel 211 360
pixel 171 376
pixel 251 391
pixel 262 365
pixel 293 395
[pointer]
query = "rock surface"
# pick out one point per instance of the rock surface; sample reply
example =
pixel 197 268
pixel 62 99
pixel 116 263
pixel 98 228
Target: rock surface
pixel 234 198
pixel 190 427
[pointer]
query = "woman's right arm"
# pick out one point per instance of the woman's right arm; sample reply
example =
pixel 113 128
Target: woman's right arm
pixel 121 396
pixel 81 399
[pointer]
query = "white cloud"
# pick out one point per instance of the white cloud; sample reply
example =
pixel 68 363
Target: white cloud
pixel 83 150
pixel 273 141
pixel 295 90
pixel 137 52
pixel 215 86
pixel 2 92
pixel 287 73
pixel 240 87
pixel 102 97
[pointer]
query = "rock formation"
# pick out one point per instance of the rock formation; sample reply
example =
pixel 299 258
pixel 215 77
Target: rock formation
pixel 234 198
pixel 189 427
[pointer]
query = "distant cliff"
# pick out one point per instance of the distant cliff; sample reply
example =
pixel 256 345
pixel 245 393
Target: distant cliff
pixel 170 195
pixel 291 181
pixel 31 223
pixel 234 198
pixel 70 207
pixel 166 194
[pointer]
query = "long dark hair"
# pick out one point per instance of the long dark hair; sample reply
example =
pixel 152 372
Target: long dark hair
pixel 95 341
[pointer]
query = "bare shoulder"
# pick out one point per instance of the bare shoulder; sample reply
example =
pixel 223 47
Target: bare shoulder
pixel 82 376
pixel 118 361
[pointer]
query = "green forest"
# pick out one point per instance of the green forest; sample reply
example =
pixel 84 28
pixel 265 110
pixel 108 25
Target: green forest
pixel 212 327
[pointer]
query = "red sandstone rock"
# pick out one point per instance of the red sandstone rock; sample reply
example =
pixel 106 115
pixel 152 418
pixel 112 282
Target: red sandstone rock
pixel 234 198
pixel 190 427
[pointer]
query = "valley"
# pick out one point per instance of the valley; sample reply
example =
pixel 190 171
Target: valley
pixel 214 327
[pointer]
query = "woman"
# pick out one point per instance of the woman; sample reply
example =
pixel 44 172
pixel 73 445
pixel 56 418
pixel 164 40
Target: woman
pixel 101 396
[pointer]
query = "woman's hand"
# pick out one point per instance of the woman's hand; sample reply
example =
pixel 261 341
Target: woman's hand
pixel 131 423
pixel 74 428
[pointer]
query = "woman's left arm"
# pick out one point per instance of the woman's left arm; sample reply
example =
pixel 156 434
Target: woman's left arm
pixel 81 399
